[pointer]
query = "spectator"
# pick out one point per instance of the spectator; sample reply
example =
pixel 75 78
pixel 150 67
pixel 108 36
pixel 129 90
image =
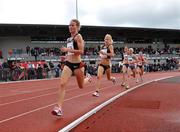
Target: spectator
pixel 46 70
pixel 1 71
pixel 1 54
pixel 51 65
pixel 5 66
pixel 28 49
pixel 57 70
pixel 36 54
pixel 39 72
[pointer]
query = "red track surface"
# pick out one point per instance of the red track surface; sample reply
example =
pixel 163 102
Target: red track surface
pixel 152 108
pixel 26 106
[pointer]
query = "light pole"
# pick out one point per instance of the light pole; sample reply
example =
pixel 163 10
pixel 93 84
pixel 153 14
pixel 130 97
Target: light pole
pixel 76 9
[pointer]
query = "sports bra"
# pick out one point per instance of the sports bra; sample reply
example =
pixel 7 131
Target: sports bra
pixel 71 43
pixel 106 50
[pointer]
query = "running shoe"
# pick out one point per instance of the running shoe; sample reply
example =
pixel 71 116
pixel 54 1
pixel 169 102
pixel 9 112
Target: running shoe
pixel 113 80
pixel 96 94
pixel 89 77
pixel 127 86
pixel 123 84
pixel 137 80
pixel 57 111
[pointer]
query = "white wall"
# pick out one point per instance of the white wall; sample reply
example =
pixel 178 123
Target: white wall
pixel 7 43
pixel 174 45
pixel 130 45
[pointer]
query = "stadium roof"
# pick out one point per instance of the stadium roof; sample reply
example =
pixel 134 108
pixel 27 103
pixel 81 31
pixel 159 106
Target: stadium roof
pixel 60 32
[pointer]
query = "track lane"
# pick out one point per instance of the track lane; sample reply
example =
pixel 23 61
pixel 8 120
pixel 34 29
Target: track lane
pixel 71 109
pixel 152 108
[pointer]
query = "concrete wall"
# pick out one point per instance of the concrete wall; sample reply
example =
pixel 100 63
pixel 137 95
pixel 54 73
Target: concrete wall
pixel 7 43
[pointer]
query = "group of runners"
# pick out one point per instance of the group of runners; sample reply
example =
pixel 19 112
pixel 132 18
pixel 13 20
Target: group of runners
pixel 132 64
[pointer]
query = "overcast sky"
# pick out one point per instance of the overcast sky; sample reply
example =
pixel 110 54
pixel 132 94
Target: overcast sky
pixel 128 13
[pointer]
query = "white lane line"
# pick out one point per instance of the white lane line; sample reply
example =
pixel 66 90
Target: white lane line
pixel 17 101
pixel 37 96
pixel 93 111
pixel 23 81
pixel 37 90
pixel 44 107
pixel 26 81
pixel 32 91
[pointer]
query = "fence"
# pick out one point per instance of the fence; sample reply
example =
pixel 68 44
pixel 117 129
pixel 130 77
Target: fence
pixel 17 74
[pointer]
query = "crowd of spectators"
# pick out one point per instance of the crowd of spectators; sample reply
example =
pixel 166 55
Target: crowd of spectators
pixel 14 71
pixel 55 51
pixel 170 64
pixel 39 70
pixel 91 51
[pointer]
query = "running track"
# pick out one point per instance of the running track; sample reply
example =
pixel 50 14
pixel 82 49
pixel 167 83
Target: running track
pixel 26 106
pixel 153 108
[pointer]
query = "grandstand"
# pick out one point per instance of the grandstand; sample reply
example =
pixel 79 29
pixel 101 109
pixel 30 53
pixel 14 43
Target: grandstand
pixel 31 52
pixel 28 42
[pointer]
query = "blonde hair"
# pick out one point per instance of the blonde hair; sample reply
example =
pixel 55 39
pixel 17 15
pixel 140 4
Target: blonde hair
pixel 110 37
pixel 131 49
pixel 77 23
